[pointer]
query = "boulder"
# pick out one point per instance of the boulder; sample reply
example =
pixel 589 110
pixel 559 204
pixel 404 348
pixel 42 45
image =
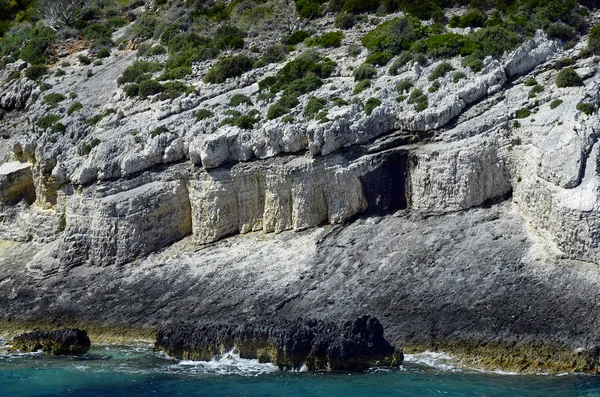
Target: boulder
pixel 352 346
pixel 58 342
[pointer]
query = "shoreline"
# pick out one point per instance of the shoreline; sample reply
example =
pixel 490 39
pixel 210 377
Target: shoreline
pixel 501 358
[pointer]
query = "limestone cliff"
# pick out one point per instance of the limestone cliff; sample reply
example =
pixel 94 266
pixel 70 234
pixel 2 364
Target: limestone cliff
pixel 469 223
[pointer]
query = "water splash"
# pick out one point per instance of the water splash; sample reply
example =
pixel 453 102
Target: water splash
pixel 229 363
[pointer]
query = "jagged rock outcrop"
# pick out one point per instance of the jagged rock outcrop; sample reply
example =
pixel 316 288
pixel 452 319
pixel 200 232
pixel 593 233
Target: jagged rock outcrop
pixel 58 342
pixel 352 346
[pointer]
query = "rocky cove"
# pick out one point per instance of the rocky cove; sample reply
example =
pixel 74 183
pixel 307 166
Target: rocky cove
pixel 467 227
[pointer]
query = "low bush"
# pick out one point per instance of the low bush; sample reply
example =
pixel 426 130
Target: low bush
pixel 344 20
pixel 132 90
pixel 150 87
pixel 276 110
pixel 361 86
pixel 309 9
pixel 555 103
pixel 435 86
pixel 594 40
pixel 337 101
pixel 273 54
pixel 440 71
pixel 296 38
pixel 228 67
pixel 74 107
pixel 328 40
pixel 404 86
pixel 47 121
pixel 227 37
pixel 53 99
pixel 145 26
pixel 473 63
pixel 473 18
pixel 139 71
pixel 394 36
pixel 586 107
pixel 523 113
pixel 535 90
pixel 371 104
pixel 379 58
pixel 35 72
pixel 568 78
pixel 419 99
pixel 174 89
pixel 239 99
pixel 103 53
pixel 530 82
pixel 314 106
pixel 159 130
pixel 400 62
pixel 203 114
pixel 364 72
pixel 360 6
pixel 458 76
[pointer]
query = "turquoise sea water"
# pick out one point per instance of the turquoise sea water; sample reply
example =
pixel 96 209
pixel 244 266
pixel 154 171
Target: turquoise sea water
pixel 137 371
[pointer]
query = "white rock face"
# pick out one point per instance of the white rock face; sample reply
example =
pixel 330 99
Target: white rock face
pixel 16 182
pixel 446 178
pixel 533 53
pixel 105 228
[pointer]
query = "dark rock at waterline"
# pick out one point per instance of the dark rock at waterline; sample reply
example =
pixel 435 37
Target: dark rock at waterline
pixel 58 342
pixel 354 345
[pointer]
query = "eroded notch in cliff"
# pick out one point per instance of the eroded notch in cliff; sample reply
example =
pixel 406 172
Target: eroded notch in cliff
pixel 384 187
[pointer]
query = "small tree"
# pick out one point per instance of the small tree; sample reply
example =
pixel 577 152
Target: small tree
pixel 57 14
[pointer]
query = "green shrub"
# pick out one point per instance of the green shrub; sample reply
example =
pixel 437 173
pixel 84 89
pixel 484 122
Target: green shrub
pixel 96 31
pixel 535 90
pixel 360 6
pixel 156 50
pixel 35 72
pixel 301 75
pixel 239 99
pixel 132 90
pixel 88 147
pixel 159 130
pixel 84 60
pixel 379 58
pixel 495 41
pixel 337 101
pixel 34 50
pixel 276 110
pixel 523 113
pixel 228 67
pixel 473 18
pixel 435 86
pixel 274 53
pixel 445 45
pixel 139 71
pixel 288 100
pixel 400 62
pixel 555 103
pixel 344 20
pixel 94 120
pixel 328 40
pixel 568 78
pixel 531 82
pixel 58 128
pixel 404 86
pixel 203 114
pixel 440 71
pixel 364 72
pixel 394 36
pixel 296 38
pixel 174 89
pixel 150 87
pixel 314 106
pixel 371 104
pixel 458 76
pixel 47 121
pixel 308 9
pixel 586 107
pixel 594 40
pixel 145 26
pixel 560 31
pixel 473 63
pixel 227 37
pixel 419 99
pixel 116 22
pixel 103 53
pixel 53 99
pixel 288 119
pixel 74 107
pixel 176 73
pixel 59 73
pixel 361 86
pixel 563 63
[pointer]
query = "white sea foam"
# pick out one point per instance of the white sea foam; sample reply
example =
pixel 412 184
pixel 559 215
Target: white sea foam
pixel 436 360
pixel 229 363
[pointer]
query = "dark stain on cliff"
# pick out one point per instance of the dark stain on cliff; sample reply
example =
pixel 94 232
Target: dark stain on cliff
pixel 384 187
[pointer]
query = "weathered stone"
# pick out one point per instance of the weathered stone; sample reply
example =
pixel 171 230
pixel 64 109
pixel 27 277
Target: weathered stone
pixel 353 346
pixel 16 183
pixel 59 342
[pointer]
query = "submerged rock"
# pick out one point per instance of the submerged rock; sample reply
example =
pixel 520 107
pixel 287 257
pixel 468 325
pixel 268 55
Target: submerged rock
pixel 354 345
pixel 59 342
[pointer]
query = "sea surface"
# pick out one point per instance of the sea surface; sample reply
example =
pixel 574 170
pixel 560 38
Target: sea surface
pixel 138 371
